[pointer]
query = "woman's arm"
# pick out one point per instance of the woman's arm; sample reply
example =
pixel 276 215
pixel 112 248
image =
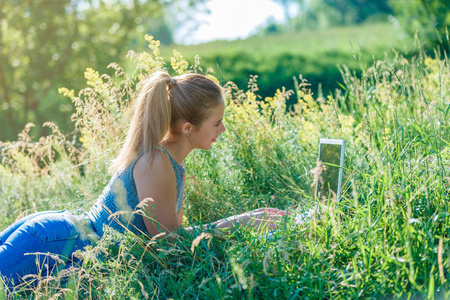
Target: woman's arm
pixel 180 217
pixel 156 187
pixel 180 213
pixel 267 218
pixel 262 217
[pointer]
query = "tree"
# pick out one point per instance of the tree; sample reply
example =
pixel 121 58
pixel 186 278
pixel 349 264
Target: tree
pixel 317 13
pixel 46 44
pixel 35 45
pixel 357 11
pixel 430 19
pixel 304 13
pixel 285 4
pixel 367 8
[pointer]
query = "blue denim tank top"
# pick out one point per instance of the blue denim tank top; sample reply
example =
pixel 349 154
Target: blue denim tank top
pixel 117 205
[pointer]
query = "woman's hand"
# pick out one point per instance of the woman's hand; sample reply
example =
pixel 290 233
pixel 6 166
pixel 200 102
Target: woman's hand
pixel 266 218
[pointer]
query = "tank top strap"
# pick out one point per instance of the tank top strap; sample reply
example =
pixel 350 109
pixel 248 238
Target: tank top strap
pixel 172 160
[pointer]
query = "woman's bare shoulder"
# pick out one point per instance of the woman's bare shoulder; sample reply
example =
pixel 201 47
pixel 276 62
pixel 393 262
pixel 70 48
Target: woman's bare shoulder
pixel 160 165
pixel 158 174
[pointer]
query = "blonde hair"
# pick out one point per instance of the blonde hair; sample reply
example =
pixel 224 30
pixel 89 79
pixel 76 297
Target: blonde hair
pixel 161 105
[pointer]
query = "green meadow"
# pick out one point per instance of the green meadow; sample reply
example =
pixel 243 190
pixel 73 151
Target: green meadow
pixel 388 236
pixel 316 54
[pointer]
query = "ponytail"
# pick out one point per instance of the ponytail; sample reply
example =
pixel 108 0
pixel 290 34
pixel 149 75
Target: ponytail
pixel 150 122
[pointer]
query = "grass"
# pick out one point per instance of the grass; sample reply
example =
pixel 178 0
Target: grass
pixel 387 237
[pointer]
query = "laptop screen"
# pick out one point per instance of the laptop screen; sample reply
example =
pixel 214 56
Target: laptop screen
pixel 331 157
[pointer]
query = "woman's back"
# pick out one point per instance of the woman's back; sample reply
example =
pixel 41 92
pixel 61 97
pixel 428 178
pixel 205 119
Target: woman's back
pixel 117 206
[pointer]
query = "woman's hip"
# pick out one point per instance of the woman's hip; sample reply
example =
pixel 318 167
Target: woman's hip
pixel 43 239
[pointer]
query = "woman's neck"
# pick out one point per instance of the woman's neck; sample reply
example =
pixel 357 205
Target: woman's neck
pixel 178 149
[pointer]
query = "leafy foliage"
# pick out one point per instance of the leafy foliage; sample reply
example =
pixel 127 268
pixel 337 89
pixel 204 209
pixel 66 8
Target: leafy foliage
pixel 314 14
pixel 47 44
pixel 429 19
pixel 386 238
pixel 357 11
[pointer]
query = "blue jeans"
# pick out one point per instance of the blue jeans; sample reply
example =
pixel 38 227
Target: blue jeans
pixel 43 243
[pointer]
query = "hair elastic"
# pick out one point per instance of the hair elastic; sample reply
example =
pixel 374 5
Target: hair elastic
pixel 172 81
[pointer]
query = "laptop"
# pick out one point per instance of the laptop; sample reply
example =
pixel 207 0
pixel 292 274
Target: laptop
pixel 330 169
pixel 329 179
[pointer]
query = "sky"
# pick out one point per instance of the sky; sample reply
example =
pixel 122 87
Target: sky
pixel 231 19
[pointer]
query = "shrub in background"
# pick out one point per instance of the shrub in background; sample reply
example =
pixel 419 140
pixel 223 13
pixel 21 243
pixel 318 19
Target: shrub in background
pixel 429 19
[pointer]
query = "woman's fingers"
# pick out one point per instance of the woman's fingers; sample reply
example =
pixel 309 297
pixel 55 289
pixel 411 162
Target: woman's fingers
pixel 264 216
pixel 277 211
pixel 270 210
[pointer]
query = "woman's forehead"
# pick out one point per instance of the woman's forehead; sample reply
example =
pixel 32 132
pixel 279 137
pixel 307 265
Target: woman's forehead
pixel 218 111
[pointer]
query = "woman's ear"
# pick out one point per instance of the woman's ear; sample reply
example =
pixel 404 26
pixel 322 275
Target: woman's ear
pixel 186 128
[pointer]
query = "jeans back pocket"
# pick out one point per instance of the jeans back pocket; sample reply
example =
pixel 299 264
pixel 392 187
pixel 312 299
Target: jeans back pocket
pixel 53 226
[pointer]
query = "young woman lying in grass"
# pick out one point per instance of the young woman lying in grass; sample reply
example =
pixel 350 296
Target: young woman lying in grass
pixel 172 116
